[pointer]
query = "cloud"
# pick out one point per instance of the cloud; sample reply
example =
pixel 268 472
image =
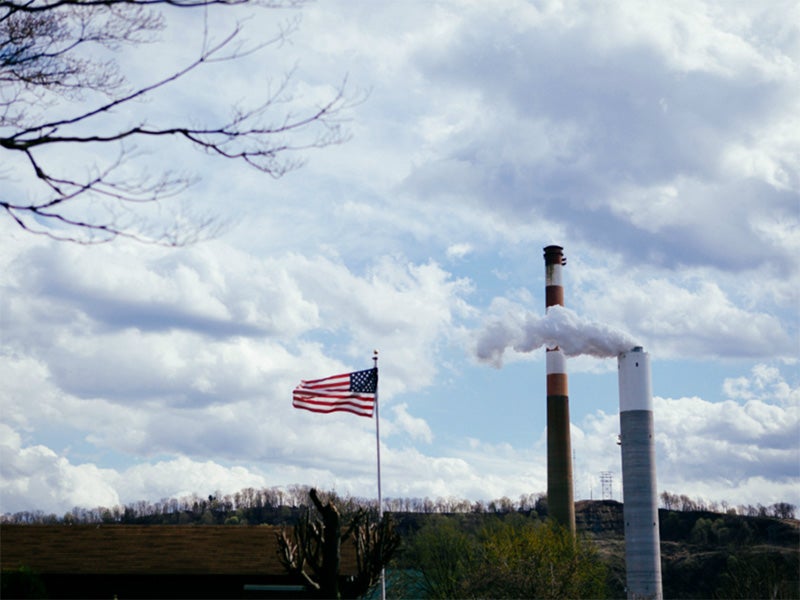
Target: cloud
pixel 690 313
pixel 764 384
pixel 693 317
pixel 206 338
pixel 748 441
pixel 198 325
pixel 472 471
pixel 35 477
pixel 417 428
pixel 457 251
pixel 212 289
pixel 613 130
pixel 181 477
pixel 656 142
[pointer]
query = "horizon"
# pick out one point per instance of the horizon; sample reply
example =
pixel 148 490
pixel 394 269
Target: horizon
pixel 295 496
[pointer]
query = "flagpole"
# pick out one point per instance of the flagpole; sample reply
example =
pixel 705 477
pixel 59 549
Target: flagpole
pixel 378 453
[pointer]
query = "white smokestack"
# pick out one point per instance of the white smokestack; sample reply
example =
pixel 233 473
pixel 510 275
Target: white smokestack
pixel 574 335
pixel 639 488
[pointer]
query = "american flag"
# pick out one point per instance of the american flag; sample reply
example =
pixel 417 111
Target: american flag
pixel 349 392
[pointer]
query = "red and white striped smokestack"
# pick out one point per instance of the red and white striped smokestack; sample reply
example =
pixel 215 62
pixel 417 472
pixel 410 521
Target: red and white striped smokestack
pixel 559 447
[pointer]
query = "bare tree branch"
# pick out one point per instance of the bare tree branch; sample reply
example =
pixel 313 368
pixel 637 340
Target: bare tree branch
pixel 41 61
pixel 312 549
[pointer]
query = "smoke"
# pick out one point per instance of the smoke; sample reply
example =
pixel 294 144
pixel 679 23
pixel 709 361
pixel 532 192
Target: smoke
pixel 525 332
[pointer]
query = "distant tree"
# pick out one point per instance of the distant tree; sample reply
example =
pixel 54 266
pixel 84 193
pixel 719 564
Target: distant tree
pixel 541 505
pixel 63 95
pixel 505 504
pixel 783 510
pixel 721 532
pixel 701 532
pixel 686 503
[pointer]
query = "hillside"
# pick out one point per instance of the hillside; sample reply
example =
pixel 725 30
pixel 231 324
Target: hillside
pixel 704 554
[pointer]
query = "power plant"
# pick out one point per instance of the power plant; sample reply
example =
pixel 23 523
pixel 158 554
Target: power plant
pixel 637 442
pixel 560 502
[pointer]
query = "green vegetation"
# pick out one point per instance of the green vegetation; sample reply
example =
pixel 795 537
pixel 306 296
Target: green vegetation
pixel 759 574
pixel 506 549
pixel 513 557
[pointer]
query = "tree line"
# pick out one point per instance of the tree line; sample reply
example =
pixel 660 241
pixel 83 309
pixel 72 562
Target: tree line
pixel 273 505
pixel 682 502
pixel 280 505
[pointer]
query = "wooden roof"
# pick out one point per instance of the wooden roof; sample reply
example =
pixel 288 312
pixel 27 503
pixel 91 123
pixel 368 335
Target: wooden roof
pixel 151 549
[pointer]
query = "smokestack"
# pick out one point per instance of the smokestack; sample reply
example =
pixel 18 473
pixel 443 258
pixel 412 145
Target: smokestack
pixel 559 448
pixel 639 491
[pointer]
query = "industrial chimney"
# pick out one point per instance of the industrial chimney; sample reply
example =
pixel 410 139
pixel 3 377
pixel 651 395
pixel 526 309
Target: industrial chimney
pixel 639 491
pixel 559 451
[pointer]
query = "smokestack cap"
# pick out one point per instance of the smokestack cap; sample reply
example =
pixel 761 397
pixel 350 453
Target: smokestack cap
pixel 554 255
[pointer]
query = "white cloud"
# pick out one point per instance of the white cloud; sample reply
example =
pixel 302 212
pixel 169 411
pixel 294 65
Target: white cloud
pixel 457 251
pixel 35 477
pixel 570 126
pixel 150 353
pixel 752 445
pixel 658 143
pixel 417 428
pixel 747 443
pixel 685 316
pixel 481 471
pixel 764 384
pixel 181 477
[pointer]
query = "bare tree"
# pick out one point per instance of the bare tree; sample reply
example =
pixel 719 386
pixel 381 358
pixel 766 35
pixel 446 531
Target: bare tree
pixel 312 549
pixel 62 92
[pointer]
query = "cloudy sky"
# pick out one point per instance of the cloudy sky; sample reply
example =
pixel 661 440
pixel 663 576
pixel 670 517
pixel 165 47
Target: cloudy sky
pixel 658 143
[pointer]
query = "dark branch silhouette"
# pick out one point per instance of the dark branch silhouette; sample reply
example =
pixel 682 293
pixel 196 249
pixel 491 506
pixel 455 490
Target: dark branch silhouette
pixel 43 65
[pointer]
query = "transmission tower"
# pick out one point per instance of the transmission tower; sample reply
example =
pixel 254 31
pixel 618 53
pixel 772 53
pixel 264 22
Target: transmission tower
pixel 607 485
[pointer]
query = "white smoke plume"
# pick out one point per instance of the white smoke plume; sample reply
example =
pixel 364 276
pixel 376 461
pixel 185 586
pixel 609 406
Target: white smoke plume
pixel 525 332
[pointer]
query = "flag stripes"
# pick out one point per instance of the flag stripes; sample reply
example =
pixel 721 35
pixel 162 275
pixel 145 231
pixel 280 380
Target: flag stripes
pixel 348 392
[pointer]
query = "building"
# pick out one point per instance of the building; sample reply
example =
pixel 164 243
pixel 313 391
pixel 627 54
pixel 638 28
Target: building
pixel 155 561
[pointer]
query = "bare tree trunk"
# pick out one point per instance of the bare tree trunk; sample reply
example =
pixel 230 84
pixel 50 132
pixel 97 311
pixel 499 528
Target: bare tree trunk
pixel 331 549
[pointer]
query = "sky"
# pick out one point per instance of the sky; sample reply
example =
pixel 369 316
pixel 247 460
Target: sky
pixel 658 143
